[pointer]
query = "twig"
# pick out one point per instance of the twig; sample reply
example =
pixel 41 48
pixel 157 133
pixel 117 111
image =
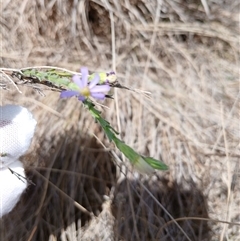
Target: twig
pixel 1 70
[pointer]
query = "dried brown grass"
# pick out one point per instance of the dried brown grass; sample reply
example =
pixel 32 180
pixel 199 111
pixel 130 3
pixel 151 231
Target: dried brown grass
pixel 190 63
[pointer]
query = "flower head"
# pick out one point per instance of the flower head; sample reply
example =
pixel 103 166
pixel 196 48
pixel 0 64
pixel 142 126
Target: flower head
pixel 85 88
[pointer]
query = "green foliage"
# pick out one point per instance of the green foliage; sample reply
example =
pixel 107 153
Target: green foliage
pixel 62 80
pixel 132 156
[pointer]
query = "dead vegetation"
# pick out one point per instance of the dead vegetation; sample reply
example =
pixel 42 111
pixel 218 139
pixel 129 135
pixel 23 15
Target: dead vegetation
pixel 186 53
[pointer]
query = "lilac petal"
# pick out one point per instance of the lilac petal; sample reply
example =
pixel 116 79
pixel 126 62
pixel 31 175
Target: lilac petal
pixel 100 88
pixel 84 71
pixel 68 93
pixel 94 82
pixel 99 96
pixel 77 80
pixel 81 98
pixel 111 73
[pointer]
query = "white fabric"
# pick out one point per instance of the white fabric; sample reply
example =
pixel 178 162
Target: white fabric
pixel 16 131
pixel 11 186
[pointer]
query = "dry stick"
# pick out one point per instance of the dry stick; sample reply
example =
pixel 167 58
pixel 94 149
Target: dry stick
pixel 118 161
pixel 205 6
pixel 114 66
pixel 76 204
pixel 156 112
pixel 45 107
pixel 209 30
pixel 2 71
pixel 71 173
pixel 196 218
pixel 156 20
pixel 32 233
pixel 165 210
pixel 228 120
pixel 49 67
pixel 45 187
pixel 163 206
pixel 228 173
pixel 46 178
pixel 132 211
pixel 121 174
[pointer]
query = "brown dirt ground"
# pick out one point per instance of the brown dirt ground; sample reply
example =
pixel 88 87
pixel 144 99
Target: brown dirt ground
pixel 186 53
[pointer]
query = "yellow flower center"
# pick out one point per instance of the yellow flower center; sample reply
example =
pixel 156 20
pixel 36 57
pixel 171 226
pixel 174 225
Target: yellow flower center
pixel 85 91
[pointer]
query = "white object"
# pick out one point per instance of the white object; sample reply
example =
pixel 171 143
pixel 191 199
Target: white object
pixel 17 127
pixel 16 131
pixel 12 185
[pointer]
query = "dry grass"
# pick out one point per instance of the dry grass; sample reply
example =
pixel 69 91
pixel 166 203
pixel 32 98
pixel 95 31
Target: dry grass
pixel 189 59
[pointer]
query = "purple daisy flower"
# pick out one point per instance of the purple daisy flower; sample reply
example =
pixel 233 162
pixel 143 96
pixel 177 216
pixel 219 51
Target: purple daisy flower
pixel 86 89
